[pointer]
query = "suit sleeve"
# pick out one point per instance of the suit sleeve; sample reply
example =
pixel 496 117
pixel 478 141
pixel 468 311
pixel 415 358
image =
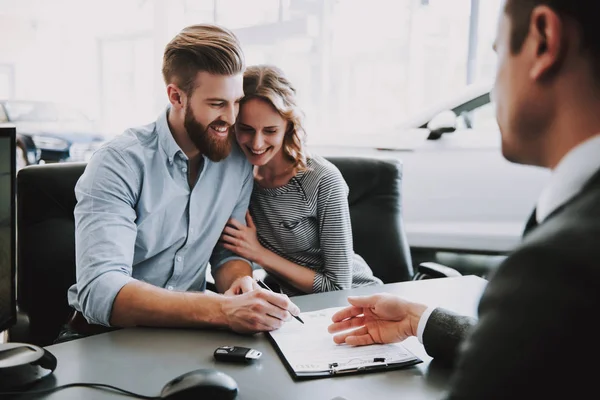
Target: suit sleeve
pixel 444 332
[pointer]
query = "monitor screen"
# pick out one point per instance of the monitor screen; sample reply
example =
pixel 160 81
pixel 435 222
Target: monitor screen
pixel 7 227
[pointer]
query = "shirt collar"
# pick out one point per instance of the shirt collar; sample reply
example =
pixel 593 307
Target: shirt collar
pixel 165 137
pixel 569 177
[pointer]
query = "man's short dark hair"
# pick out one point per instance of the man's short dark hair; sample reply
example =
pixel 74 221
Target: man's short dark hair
pixel 586 13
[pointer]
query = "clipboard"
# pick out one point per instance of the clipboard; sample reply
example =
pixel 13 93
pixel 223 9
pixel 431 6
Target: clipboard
pixel 308 351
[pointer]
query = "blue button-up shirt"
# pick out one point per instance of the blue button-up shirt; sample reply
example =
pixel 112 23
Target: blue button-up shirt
pixel 137 218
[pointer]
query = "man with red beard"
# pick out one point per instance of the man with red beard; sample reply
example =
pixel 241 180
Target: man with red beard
pixel 153 202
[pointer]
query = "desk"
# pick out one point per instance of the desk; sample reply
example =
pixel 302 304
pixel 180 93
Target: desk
pixel 143 359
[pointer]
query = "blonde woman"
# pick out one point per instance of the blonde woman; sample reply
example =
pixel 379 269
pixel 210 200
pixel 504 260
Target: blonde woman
pixel 298 226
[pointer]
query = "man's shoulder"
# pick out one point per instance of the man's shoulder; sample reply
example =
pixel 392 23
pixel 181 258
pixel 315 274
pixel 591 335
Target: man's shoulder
pixel 132 145
pixel 127 152
pixel 134 139
pixel 573 230
pixel 566 243
pixel 236 162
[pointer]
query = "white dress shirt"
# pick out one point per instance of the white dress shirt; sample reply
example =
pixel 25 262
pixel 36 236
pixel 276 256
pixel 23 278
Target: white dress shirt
pixel 567 180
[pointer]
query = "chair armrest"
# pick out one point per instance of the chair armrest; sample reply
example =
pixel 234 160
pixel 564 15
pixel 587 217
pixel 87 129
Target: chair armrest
pixel 429 270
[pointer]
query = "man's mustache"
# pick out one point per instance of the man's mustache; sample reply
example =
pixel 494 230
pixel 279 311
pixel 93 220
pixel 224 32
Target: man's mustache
pixel 219 124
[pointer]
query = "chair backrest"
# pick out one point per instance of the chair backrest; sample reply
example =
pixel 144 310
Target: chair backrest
pixel 375 201
pixel 46 246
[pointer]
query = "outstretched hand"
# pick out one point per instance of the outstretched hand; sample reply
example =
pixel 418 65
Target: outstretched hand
pixel 380 318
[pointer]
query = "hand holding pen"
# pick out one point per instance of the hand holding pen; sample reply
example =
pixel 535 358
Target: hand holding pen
pixel 264 286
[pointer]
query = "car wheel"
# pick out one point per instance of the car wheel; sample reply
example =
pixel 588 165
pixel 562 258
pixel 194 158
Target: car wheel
pixel 21 156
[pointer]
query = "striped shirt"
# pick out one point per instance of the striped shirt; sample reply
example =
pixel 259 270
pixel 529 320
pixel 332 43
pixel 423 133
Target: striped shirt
pixel 307 221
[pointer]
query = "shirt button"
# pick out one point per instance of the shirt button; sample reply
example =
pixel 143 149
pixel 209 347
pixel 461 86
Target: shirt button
pixel 184 169
pixel 170 287
pixel 179 258
pixel 191 230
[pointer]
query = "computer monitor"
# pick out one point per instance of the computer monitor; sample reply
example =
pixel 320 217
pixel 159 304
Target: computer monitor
pixel 21 364
pixel 8 309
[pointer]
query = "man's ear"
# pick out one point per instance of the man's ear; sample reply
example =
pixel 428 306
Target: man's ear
pixel 548 32
pixel 176 96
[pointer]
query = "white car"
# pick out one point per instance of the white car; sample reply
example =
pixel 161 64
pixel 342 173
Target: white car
pixel 460 194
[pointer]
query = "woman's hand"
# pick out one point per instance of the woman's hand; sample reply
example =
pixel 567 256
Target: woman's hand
pixel 242 240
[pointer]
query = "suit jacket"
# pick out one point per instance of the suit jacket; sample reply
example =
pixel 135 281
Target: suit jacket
pixel 535 337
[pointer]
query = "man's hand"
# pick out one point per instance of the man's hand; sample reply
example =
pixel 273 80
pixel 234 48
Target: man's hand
pixel 381 318
pixel 257 311
pixel 242 239
pixel 241 285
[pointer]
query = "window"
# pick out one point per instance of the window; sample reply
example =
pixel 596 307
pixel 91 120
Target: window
pixel 358 67
pixel 6 82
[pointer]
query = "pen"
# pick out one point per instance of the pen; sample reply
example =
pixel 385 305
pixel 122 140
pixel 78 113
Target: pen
pixel 264 286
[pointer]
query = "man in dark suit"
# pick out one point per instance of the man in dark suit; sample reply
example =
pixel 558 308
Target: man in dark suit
pixel 534 337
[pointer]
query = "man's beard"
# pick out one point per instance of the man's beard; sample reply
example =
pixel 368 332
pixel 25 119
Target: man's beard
pixel 216 149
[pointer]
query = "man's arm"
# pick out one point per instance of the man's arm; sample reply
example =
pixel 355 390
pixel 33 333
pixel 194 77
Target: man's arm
pixel 141 304
pixel 386 318
pixel 444 332
pixel 227 267
pixel 105 232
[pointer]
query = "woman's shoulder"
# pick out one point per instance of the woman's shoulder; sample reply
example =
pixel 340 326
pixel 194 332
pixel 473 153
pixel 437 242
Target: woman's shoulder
pixel 320 167
pixel 321 174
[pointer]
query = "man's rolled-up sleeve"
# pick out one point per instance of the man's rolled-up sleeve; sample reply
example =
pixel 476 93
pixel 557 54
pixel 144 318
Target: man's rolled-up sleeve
pixel 105 232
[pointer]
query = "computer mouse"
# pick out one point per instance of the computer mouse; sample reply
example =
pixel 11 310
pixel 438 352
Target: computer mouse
pixel 201 384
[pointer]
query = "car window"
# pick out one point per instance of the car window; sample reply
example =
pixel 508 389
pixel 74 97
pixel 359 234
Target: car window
pixel 483 118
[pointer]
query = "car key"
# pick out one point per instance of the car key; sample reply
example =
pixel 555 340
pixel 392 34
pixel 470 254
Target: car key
pixel 236 354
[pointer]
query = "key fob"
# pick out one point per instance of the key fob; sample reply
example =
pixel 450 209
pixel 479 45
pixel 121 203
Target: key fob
pixel 236 354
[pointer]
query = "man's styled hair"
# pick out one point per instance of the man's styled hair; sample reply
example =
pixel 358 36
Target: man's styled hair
pixel 269 83
pixel 204 47
pixel 583 12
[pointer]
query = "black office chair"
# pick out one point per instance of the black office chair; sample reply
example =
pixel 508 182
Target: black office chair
pixel 45 250
pixel 375 202
pixel 46 237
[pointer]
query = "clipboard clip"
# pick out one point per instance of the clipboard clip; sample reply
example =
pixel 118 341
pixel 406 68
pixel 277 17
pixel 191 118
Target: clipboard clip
pixel 381 364
pixel 334 368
